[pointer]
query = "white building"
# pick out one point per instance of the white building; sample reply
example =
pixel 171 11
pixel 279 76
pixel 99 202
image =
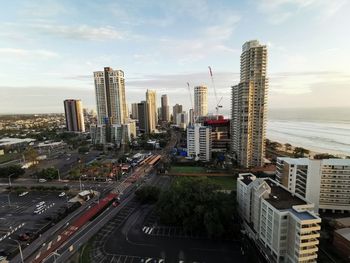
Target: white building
pixel 248 113
pixel 283 225
pixel 201 101
pixel 326 183
pixel 199 142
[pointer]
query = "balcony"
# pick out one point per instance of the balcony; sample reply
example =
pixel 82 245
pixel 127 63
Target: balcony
pixel 313 242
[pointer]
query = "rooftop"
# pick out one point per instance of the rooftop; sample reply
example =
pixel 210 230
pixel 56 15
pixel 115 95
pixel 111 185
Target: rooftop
pixel 281 198
pixel 10 141
pixel 344 232
pixel 246 178
pixel 302 215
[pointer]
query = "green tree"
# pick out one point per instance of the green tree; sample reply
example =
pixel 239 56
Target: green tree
pixel 147 194
pixel 48 173
pixel 30 154
pixel 15 170
pixel 300 152
pixel 196 205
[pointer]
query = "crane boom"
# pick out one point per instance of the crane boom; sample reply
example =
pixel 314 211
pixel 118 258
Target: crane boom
pixel 189 91
pixel 216 96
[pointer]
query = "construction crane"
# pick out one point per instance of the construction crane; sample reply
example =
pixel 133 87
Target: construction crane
pixel 189 91
pixel 218 105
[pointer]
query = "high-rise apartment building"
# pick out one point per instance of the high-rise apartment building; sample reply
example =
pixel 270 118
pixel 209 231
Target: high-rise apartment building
pixel 165 108
pixel 151 99
pixel 182 120
pixel 176 109
pixel 249 99
pixel 199 142
pixel 110 96
pixel 143 116
pixel 73 110
pixel 325 183
pixel 190 117
pixel 134 111
pixel 282 224
pixel 201 101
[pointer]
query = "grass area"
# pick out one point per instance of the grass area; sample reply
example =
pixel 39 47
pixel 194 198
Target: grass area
pixel 226 182
pixel 9 157
pixel 187 169
pixel 84 256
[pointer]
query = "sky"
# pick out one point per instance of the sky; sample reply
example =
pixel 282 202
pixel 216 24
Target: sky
pixel 49 50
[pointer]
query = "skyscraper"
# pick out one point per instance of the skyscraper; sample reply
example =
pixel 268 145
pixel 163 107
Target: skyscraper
pixel 142 116
pixel 165 108
pixel 134 111
pixel 111 105
pixel 176 109
pixel 151 110
pixel 249 99
pixel 73 110
pixel 110 96
pixel 201 100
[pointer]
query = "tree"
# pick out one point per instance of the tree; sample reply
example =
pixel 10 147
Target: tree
pixel 48 173
pixel 147 194
pixel 196 205
pixel 287 146
pixel 83 149
pixel 30 154
pixel 300 152
pixel 15 170
pixel 323 156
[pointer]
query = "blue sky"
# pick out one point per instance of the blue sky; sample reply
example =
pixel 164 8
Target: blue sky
pixel 49 49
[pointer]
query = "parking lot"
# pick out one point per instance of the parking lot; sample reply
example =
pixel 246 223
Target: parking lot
pixel 17 216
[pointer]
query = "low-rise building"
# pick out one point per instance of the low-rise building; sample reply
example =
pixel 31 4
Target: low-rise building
pixel 283 225
pixel 325 183
pixel 341 240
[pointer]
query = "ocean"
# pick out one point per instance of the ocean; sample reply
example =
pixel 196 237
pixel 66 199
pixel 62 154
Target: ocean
pixel 324 130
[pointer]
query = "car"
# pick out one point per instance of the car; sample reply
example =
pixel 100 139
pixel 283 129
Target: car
pixel 40 204
pixel 23 194
pixel 62 194
pixel 67 159
pixel 42 180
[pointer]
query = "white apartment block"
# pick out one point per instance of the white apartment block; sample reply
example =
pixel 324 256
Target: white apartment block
pixel 283 225
pixel 326 183
pixel 200 101
pixel 199 142
pixel 249 105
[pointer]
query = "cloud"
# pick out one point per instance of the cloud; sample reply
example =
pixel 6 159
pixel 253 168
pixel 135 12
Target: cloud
pixel 27 53
pixel 279 11
pixel 80 32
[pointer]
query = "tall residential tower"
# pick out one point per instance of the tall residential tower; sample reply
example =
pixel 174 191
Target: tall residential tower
pixel 249 99
pixel 110 96
pixel 165 108
pixel 73 110
pixel 151 98
pixel 200 101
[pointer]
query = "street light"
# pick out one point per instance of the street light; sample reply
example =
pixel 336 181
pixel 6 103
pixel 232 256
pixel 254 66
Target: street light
pixel 10 185
pixel 20 248
pixel 83 175
pixel 59 175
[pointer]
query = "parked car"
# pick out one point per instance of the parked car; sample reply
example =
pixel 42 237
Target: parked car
pixel 62 194
pixel 23 194
pixel 41 180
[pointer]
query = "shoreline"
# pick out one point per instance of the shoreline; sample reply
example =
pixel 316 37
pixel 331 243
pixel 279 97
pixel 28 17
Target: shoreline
pixel 310 154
